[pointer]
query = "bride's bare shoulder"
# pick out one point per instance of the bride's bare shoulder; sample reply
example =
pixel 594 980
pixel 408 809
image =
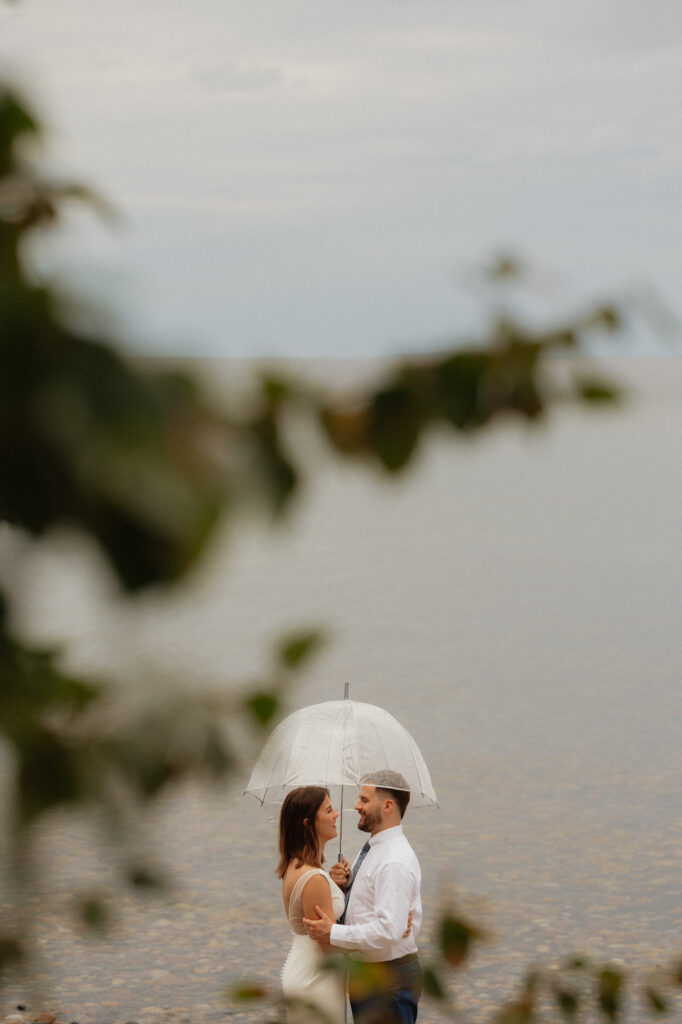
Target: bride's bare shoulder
pixel 292 875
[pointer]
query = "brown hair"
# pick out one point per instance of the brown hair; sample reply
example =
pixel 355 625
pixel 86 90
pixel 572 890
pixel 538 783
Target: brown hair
pixel 392 784
pixel 297 836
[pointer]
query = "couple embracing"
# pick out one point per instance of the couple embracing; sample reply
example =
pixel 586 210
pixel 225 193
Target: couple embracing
pixel 371 911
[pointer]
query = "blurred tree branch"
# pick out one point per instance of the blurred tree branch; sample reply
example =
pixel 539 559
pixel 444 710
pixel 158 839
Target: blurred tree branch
pixel 142 462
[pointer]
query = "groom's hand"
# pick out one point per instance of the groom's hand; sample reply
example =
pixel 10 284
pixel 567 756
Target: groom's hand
pixel 320 928
pixel 340 873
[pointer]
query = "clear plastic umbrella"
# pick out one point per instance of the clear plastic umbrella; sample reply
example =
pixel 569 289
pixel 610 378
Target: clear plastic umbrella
pixel 338 743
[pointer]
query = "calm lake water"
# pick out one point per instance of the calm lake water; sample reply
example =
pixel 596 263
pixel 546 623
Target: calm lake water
pixel 516 602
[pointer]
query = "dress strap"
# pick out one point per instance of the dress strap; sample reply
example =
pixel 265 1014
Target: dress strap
pixel 302 879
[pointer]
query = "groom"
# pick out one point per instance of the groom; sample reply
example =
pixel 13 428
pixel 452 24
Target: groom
pixel 382 891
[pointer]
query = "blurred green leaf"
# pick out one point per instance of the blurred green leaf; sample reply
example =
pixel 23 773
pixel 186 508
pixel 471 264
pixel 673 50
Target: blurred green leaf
pixel 11 951
pixel 48 774
pixel 655 1001
pixel 459 385
pixel 532 981
pixel 262 706
pixel 568 1002
pixel 597 391
pixel 143 876
pixel 456 938
pixel 577 963
pixel 93 912
pixel 89 440
pixel 609 991
pixel 294 650
pixel 366 979
pixel 432 984
pixel 15 121
pixel 247 993
pixel 276 469
pixel 394 423
pixel 277 388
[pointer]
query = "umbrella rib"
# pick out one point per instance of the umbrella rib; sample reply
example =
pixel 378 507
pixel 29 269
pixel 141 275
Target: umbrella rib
pixel 329 754
pixel 381 742
pixel 416 768
pixel 356 743
pixel 343 716
pixel 289 757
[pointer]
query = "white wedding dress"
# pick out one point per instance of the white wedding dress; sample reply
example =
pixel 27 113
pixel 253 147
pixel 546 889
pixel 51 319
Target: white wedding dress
pixel 303 978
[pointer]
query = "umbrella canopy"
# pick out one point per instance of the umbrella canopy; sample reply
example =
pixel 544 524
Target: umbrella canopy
pixel 338 743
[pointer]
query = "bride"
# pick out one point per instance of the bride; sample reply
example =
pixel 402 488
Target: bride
pixel 307 822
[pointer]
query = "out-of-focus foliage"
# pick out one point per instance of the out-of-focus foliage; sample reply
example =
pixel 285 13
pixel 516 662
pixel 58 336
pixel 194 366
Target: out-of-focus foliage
pixel 135 460
pixel 577 990
pixel 466 390
pixel 141 462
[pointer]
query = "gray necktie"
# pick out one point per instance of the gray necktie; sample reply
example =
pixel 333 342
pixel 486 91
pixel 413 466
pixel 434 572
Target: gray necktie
pixel 356 867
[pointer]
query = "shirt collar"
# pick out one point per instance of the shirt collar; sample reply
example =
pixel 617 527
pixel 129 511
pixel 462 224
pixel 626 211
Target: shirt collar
pixel 385 835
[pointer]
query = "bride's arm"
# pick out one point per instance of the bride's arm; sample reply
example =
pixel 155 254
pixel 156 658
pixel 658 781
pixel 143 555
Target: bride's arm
pixel 316 892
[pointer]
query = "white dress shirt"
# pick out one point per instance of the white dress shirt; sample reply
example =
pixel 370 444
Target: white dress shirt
pixel 385 890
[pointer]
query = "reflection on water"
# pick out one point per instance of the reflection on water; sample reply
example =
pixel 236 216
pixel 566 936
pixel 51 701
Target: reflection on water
pixel 515 603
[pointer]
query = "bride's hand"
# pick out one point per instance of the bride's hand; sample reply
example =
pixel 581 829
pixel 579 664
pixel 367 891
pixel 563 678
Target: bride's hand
pixel 409 925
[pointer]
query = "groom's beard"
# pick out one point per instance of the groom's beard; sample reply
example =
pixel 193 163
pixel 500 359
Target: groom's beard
pixel 369 821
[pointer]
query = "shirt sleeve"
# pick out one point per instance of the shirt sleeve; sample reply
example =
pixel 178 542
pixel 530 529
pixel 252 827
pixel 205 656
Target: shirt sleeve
pixel 392 897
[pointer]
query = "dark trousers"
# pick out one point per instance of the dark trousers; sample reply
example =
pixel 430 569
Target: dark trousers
pixel 394 997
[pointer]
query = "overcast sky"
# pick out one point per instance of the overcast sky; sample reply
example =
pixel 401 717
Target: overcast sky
pixel 315 178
